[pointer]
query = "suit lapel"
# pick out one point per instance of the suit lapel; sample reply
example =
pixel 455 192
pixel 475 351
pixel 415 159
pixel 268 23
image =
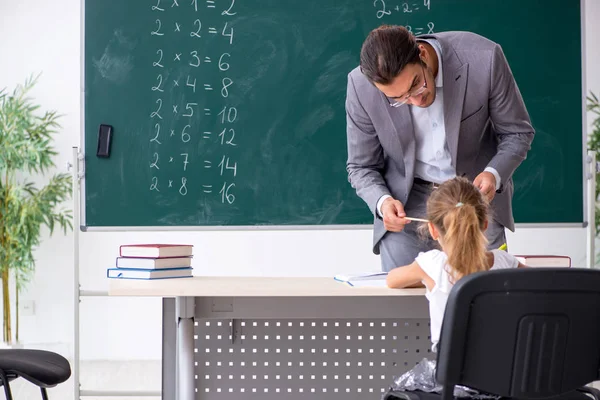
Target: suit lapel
pixel 404 135
pixel 455 84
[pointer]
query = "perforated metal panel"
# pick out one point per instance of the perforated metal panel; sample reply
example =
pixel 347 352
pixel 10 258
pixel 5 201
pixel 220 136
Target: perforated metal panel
pixel 305 359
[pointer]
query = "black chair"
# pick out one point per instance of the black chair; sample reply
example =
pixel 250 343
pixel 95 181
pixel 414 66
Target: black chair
pixel 42 368
pixel 524 333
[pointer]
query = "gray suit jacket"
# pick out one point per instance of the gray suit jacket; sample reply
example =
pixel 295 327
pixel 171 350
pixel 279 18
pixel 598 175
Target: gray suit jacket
pixel 486 121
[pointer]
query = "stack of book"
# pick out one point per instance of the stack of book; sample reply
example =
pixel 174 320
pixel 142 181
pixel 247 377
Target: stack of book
pixel 152 261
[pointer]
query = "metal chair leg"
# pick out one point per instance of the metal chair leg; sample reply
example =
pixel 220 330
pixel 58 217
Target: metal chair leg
pixel 6 385
pixel 44 394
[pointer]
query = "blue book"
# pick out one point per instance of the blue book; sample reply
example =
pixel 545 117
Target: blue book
pixel 137 273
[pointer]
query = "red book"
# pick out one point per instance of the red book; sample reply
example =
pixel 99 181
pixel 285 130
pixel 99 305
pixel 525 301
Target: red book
pixel 155 250
pixel 545 260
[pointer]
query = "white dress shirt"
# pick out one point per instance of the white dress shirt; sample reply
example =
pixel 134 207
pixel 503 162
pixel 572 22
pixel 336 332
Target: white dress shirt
pixel 433 161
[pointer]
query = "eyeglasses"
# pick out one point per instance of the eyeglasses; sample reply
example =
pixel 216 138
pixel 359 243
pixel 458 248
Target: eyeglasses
pixel 406 97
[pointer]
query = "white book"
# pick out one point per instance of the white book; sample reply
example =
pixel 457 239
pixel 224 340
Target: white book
pixel 153 263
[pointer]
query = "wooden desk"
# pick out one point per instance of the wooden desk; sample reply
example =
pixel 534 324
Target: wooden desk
pixel 271 298
pixel 223 286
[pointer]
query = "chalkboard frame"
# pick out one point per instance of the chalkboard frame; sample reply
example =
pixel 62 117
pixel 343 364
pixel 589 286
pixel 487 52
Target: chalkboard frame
pixel 79 168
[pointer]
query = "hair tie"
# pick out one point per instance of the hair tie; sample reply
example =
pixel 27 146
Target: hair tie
pixel 459 204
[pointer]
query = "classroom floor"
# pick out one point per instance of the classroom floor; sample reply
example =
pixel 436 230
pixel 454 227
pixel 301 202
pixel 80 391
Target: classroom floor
pixel 105 375
pixel 99 375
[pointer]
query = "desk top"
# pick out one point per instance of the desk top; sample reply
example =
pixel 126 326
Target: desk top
pixel 236 286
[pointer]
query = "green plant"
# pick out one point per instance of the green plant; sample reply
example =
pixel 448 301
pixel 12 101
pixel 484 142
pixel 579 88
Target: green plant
pixel 594 144
pixel 26 150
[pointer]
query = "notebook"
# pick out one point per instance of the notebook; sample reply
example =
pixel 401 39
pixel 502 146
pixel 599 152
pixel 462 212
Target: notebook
pixel 381 282
pixel 373 279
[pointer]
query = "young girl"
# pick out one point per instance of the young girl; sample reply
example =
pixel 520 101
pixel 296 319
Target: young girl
pixel 457 215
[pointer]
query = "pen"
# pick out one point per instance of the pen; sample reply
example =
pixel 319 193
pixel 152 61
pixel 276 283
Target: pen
pixel 416 219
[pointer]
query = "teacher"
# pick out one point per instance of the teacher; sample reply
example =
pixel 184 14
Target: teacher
pixel 421 110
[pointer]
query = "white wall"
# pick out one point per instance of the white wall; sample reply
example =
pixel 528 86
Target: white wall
pixel 592 32
pixel 38 36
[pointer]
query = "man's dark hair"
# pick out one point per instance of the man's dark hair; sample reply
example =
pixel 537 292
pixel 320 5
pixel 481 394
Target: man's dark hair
pixel 386 51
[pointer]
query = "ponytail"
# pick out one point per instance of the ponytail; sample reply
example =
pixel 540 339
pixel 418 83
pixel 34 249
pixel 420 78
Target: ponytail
pixel 459 212
pixel 464 241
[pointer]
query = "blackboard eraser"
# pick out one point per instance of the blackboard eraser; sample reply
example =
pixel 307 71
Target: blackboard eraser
pixel 104 140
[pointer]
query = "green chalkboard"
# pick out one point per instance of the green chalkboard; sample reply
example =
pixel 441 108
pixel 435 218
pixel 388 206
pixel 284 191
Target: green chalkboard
pixel 231 112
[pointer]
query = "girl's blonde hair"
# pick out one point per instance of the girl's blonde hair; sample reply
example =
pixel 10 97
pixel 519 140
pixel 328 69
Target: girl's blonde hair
pixel 459 212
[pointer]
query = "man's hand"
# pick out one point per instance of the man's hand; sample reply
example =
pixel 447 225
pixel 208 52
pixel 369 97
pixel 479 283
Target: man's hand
pixel 393 215
pixel 486 182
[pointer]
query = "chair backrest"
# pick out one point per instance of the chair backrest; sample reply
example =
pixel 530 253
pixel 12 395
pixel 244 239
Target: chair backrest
pixel 522 333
